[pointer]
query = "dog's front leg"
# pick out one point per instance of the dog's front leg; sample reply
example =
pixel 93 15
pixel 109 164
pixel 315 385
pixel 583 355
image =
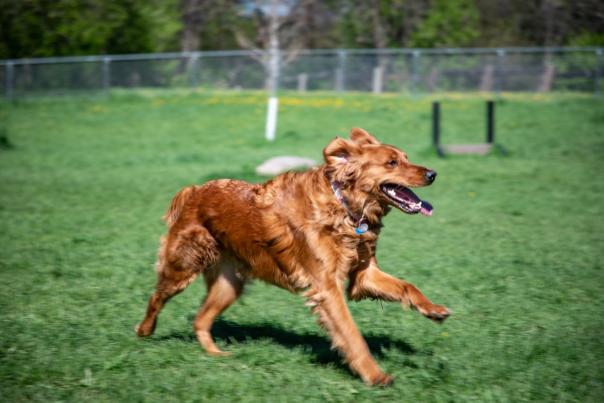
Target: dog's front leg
pixel 371 282
pixel 329 303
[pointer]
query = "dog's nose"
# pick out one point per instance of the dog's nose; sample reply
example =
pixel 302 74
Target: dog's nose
pixel 430 175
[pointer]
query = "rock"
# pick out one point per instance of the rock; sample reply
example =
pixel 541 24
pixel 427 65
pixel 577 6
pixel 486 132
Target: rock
pixel 277 165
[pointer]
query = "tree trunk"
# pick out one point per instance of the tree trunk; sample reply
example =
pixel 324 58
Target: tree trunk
pixel 379 33
pixel 192 19
pixel 273 65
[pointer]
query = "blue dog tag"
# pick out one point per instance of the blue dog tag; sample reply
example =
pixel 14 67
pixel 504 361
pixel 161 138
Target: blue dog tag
pixel 361 228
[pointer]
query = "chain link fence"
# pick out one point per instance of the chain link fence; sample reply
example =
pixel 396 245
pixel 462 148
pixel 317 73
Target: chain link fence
pixel 408 71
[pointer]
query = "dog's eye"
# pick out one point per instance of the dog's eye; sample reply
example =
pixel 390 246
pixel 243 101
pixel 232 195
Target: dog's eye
pixel 392 163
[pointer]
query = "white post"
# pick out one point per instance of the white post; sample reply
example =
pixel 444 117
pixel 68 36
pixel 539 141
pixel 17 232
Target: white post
pixel 271 118
pixel 377 79
pixel 302 81
pixel 273 65
pixel 339 79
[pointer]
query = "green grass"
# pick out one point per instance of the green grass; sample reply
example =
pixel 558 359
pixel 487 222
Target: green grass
pixel 515 248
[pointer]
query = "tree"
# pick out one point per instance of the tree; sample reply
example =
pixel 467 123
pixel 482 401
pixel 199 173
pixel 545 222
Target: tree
pixel 280 28
pixel 379 23
pixel 448 23
pixel 192 12
pixel 39 28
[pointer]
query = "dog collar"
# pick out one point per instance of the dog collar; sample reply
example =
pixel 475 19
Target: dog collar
pixel 361 223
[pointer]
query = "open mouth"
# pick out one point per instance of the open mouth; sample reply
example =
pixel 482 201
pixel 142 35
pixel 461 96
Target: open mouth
pixel 407 201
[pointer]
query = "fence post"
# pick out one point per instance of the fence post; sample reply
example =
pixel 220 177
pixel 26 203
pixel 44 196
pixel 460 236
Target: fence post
pixel 106 73
pixel 302 82
pixel 341 71
pixel 378 79
pixel 486 81
pixel 499 76
pixel 9 84
pixel 598 75
pixel 414 69
pixel 338 79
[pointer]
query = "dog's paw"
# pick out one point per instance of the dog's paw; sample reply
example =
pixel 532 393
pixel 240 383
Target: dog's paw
pixel 219 353
pixel 381 379
pixel 437 313
pixel 143 331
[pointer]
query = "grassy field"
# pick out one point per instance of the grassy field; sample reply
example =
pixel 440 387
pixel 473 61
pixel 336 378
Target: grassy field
pixel 515 248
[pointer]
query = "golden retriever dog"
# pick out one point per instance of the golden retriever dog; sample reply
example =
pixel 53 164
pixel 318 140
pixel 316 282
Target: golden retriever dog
pixel 312 232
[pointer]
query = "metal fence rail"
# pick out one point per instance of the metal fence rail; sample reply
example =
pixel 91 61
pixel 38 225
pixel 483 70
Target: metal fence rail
pixel 411 71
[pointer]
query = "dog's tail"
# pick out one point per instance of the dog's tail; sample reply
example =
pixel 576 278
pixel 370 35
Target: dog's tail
pixel 177 205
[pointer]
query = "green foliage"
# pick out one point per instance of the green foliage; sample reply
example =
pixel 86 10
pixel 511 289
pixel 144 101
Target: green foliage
pixel 449 23
pixel 220 23
pixel 514 248
pixel 39 28
pixel 31 28
pixel 587 39
pixel 165 23
pixel 357 23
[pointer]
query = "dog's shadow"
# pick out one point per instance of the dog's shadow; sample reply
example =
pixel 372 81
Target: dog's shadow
pixel 316 345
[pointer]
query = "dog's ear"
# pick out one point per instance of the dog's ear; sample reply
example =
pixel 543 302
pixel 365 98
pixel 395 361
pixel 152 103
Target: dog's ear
pixel 339 151
pixel 361 137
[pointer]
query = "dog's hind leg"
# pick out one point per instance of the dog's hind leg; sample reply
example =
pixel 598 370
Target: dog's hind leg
pixel 169 283
pixel 371 282
pixel 182 256
pixel 225 284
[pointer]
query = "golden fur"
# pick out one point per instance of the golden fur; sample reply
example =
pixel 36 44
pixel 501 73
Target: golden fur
pixel 292 232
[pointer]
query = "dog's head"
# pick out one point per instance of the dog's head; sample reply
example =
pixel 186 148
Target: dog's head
pixel 370 169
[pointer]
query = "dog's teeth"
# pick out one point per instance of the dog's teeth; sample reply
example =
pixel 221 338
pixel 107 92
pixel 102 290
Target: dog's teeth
pixel 415 206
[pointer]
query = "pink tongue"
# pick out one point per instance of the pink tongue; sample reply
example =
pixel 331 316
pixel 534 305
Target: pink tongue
pixel 426 208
